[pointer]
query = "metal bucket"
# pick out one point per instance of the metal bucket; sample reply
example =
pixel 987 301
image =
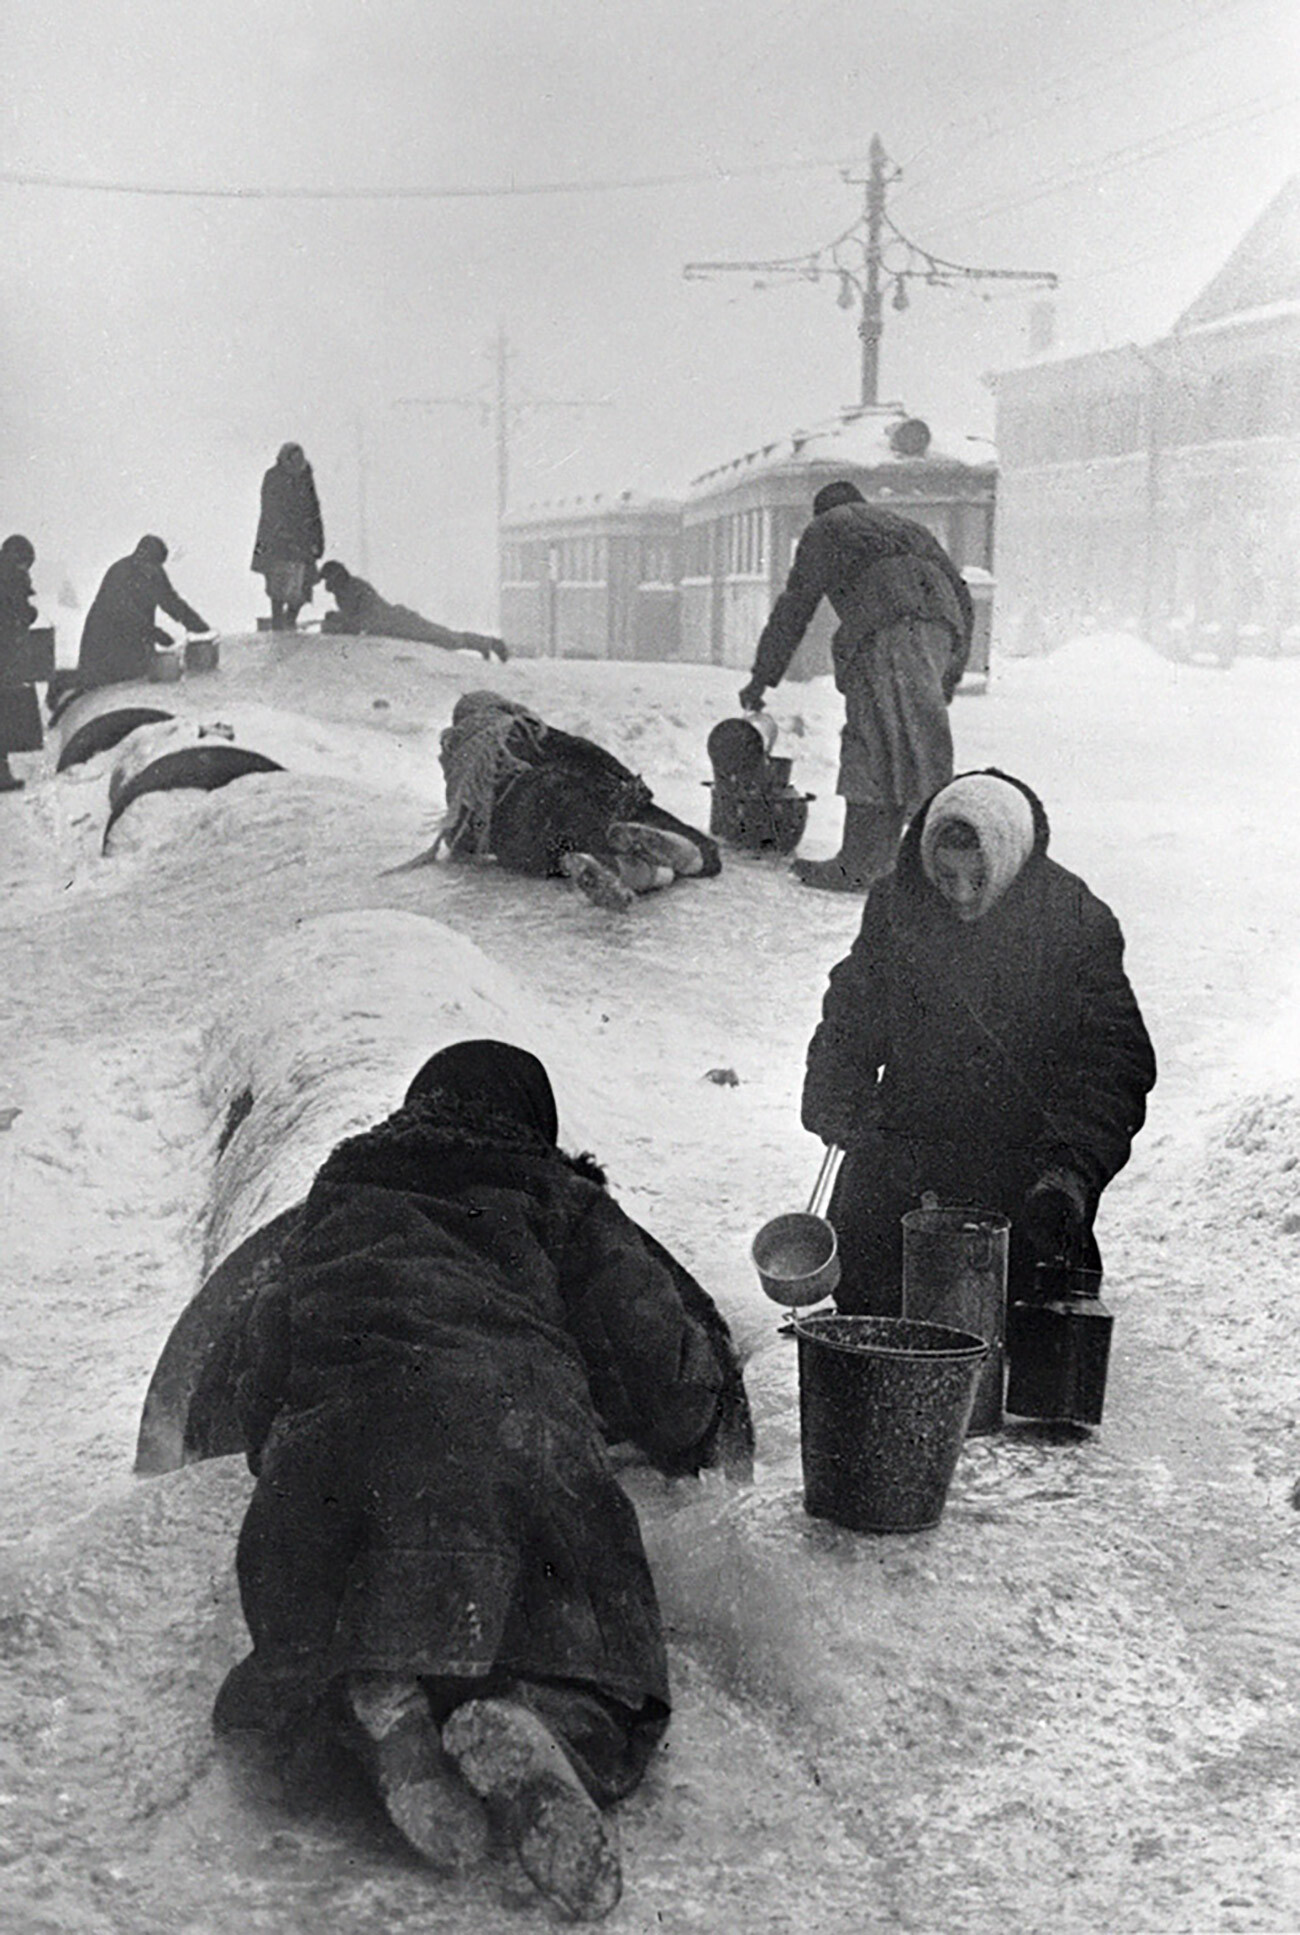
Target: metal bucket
pixel 738 747
pixel 202 653
pixel 797 1255
pixel 955 1272
pixel 165 665
pixel 884 1403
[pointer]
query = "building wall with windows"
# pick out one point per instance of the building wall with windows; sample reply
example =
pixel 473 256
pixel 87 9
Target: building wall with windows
pixel 1156 487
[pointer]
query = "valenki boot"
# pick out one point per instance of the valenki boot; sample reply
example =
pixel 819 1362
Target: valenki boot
pixel 867 851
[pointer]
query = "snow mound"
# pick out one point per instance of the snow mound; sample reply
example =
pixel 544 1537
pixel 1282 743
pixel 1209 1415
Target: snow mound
pixel 1098 663
pixel 322 1039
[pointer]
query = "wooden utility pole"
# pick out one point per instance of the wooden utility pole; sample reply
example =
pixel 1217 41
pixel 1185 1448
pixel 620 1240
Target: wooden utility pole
pixel 502 411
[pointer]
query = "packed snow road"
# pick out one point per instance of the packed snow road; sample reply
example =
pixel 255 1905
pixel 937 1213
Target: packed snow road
pixel 1074 1703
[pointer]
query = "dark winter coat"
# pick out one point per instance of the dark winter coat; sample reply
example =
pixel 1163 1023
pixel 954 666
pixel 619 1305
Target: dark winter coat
pixel 362 611
pixel 289 529
pixel 876 568
pixel 466 1320
pixel 971 1058
pixel 119 634
pixel 17 600
pixel 564 797
pixel 20 714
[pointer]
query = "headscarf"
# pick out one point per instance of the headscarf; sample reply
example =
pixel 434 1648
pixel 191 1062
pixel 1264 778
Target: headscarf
pixel 292 456
pixel 831 496
pixel 20 549
pixel 151 550
pixel 333 575
pixel 1003 822
pixel 499 1077
pixel 476 761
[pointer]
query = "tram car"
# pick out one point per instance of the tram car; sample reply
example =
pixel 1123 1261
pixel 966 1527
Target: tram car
pixel 741 522
pixel 593 578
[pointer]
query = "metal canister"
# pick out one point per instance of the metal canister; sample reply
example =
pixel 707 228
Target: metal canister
pixel 955 1273
pixel 1059 1348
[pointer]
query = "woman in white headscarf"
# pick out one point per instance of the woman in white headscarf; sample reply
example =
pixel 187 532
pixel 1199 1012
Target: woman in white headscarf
pixel 980 1041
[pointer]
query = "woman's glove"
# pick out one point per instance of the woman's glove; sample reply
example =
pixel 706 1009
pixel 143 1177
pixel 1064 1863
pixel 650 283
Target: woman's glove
pixel 751 696
pixel 1054 1218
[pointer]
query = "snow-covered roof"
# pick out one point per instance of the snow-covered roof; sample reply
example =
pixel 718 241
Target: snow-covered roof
pixel 624 503
pixel 1263 269
pixel 872 437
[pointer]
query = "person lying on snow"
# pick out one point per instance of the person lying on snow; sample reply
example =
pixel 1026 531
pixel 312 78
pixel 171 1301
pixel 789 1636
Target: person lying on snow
pixel 362 612
pixel 438 1559
pixel 980 1041
pixel 542 801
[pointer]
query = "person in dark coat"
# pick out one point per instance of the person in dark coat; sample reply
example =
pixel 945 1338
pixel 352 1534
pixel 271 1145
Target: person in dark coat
pixel 541 801
pixel 904 636
pixel 438 1552
pixel 361 612
pixel 980 1041
pixel 290 536
pixel 20 714
pixel 120 631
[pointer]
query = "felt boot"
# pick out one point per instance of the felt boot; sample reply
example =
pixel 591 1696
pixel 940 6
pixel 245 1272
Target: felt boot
pixel 602 887
pixel 388 1724
pixel 9 782
pixel 566 1846
pixel 867 850
pixel 656 844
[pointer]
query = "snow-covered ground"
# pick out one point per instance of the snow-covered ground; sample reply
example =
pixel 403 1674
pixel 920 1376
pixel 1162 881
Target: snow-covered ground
pixel 1075 1704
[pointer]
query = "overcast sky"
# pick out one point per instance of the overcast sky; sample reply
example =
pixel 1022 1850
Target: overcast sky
pixel 158 349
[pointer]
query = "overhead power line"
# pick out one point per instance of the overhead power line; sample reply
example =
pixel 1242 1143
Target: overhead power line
pixel 1118 160
pixel 860 260
pixel 1081 82
pixel 465 191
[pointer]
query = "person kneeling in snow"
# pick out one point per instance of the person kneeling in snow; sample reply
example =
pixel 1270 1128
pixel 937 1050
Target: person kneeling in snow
pixel 980 1041
pixel 438 1560
pixel 542 801
pixel 362 612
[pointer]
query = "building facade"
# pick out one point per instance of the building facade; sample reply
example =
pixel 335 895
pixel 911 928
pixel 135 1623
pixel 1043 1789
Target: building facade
pixel 1156 488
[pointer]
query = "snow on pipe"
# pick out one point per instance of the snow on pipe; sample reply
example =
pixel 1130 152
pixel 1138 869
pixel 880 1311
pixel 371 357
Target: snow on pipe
pixel 179 753
pixel 320 1043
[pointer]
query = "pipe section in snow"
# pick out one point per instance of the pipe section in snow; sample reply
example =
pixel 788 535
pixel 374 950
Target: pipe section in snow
pixel 320 1042
pixel 189 1409
pixel 179 754
pixel 106 730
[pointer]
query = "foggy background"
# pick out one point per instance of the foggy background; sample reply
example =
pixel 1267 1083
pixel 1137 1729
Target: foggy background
pixel 160 346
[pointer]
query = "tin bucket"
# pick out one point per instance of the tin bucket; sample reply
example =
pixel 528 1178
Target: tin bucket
pixel 797 1255
pixel 202 652
pixel 738 747
pixel 165 665
pixel 884 1403
pixel 955 1272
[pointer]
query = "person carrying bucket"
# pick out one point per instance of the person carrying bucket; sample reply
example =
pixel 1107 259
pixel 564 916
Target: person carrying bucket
pixel 980 1043
pixel 903 639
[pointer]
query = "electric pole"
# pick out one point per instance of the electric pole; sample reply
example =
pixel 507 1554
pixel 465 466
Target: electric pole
pixel 868 257
pixel 503 411
pixel 872 326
